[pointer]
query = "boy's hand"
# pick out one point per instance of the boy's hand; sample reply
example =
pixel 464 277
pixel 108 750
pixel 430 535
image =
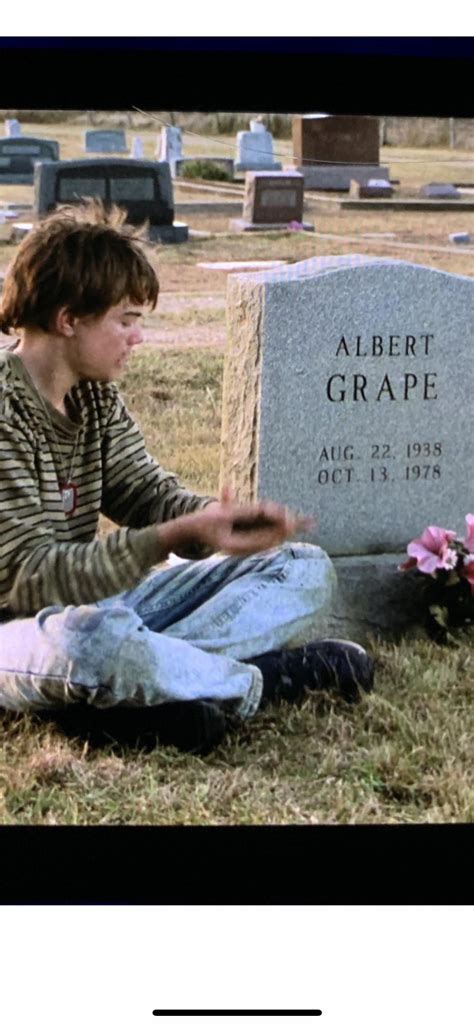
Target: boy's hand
pixel 238 529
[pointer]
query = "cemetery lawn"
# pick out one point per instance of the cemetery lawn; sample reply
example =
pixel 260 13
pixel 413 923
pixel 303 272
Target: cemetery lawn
pixel 403 755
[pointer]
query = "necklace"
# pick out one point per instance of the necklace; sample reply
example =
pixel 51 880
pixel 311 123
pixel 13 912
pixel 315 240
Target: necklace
pixel 67 487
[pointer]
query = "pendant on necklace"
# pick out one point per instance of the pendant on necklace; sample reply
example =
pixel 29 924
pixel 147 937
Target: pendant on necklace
pixel 68 492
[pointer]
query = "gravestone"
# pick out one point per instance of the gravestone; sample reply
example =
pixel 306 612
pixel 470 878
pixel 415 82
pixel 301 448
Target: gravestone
pixel 272 199
pixel 254 150
pixel 5 226
pixel 332 149
pixel 460 237
pixel 19 155
pixel 142 187
pixel 169 146
pixel 19 230
pixel 440 190
pixel 136 151
pixel 101 140
pixel 347 396
pixel 12 128
pixel 376 188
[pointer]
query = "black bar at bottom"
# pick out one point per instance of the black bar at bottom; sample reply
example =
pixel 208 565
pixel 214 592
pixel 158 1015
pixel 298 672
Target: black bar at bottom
pixel 238 1011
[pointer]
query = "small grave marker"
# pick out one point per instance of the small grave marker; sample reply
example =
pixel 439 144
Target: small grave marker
pixel 376 188
pixel 440 190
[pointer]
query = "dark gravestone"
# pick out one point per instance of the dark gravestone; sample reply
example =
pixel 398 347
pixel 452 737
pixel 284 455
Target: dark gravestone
pixel 99 140
pixel 272 199
pixel 332 149
pixel 142 187
pixel 273 196
pixel 336 138
pixel 19 155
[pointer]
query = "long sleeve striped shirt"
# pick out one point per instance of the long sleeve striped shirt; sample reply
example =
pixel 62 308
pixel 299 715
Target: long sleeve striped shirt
pixel 46 556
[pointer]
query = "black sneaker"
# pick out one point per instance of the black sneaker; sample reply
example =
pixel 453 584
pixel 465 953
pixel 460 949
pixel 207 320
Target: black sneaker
pixel 195 726
pixel 330 664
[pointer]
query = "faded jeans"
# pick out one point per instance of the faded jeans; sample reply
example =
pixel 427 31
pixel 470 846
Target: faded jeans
pixel 179 635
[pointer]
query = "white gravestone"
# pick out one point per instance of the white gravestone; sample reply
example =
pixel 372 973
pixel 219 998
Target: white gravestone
pixel 255 150
pixel 348 395
pixel 169 146
pixel 12 128
pixel 136 151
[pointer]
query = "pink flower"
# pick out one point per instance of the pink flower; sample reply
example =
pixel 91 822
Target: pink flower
pixel 467 570
pixel 469 539
pixel 295 226
pixel 431 552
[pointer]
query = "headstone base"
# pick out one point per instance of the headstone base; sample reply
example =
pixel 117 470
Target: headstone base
pixel 238 224
pixel 338 177
pixel 176 232
pixel 374 599
pixel 12 207
pixel 9 178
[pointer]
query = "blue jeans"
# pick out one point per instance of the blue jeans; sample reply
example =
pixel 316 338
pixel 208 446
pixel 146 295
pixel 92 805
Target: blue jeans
pixel 179 635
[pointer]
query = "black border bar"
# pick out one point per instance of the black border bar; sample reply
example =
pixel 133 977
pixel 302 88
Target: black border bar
pixel 303 865
pixel 419 76
pixel 238 1011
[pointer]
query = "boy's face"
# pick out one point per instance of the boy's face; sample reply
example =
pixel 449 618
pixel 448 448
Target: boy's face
pixel 103 344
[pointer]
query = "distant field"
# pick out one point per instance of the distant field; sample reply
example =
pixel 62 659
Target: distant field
pixel 412 167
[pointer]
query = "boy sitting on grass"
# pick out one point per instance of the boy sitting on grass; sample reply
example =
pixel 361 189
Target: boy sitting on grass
pixel 91 622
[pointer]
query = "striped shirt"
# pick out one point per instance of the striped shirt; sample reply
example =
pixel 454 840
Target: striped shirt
pixel 46 556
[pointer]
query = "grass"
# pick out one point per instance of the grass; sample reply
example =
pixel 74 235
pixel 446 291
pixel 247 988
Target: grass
pixel 404 755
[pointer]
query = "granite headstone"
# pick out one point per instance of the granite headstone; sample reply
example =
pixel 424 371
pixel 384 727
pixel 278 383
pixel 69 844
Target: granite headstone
pixel 376 188
pixel 462 238
pixel 12 128
pixel 272 199
pixel 142 187
pixel 169 146
pixel 344 382
pixel 18 156
pixel 101 140
pixel 332 149
pixel 440 190
pixel 254 150
pixel 136 151
pixel 336 138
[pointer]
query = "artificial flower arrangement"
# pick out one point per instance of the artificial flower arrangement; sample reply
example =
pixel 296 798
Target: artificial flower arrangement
pixel 448 563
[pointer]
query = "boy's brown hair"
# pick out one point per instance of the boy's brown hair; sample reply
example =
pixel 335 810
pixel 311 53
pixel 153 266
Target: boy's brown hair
pixel 80 257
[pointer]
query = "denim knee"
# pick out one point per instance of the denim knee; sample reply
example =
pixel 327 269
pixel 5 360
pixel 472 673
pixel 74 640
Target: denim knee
pixel 314 572
pixel 86 638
